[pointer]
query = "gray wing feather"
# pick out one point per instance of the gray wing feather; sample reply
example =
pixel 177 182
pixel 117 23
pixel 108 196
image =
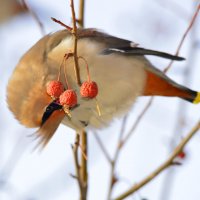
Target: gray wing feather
pixel 112 44
pixel 137 51
pixel 118 45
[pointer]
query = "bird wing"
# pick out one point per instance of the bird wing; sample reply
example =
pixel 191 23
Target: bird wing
pixel 112 44
pixel 138 51
pixel 117 45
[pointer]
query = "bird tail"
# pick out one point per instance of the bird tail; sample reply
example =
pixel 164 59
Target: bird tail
pixel 196 98
pixel 159 84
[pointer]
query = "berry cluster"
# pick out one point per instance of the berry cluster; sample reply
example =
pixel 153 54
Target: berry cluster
pixel 68 98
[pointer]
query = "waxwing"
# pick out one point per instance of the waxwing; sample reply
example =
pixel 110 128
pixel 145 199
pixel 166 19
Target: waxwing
pixel 118 67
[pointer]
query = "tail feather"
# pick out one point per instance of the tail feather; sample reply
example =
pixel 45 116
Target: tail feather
pixel 158 84
pixel 197 98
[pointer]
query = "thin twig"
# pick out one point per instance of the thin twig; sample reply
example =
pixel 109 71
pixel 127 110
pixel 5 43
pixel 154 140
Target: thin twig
pixel 84 171
pixel 62 24
pixel 81 169
pixel 162 167
pixel 138 120
pixel 121 143
pixel 84 140
pixel 65 72
pixel 34 16
pixel 102 147
pixel 81 13
pixel 176 8
pixel 113 179
pixel 184 36
pixel 76 161
pixel 123 126
pixel 83 152
pixel 75 38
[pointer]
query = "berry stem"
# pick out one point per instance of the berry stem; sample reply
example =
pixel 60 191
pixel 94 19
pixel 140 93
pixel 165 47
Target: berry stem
pixel 75 39
pixel 65 70
pixel 98 107
pixel 59 72
pixel 87 68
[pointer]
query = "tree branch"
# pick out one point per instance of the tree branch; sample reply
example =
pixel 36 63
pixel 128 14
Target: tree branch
pixel 102 147
pixel 83 169
pixel 113 179
pixel 137 122
pixel 75 38
pixel 165 165
pixel 183 37
pixel 81 13
pixel 76 161
pixel 62 24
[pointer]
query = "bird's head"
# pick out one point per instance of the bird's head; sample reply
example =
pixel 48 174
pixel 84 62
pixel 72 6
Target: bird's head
pixel 32 106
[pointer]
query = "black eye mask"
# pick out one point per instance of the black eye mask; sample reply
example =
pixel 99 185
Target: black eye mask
pixel 49 110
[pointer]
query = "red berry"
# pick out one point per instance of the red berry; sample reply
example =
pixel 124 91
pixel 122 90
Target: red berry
pixel 89 89
pixel 182 155
pixel 68 98
pixel 55 89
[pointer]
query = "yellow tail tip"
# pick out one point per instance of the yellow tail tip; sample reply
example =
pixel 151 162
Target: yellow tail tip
pixel 197 99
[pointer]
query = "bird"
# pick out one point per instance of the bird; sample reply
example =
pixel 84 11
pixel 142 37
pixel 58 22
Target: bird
pixel 118 66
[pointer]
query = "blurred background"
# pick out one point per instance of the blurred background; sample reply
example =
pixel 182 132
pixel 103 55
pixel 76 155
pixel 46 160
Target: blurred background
pixel 156 24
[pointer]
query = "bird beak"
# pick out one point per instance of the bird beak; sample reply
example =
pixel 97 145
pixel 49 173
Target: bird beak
pixel 51 119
